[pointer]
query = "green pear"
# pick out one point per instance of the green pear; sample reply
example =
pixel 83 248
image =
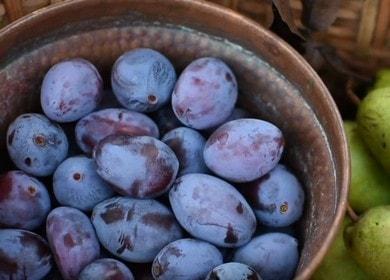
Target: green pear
pixel 382 79
pixel 368 241
pixel 370 184
pixel 373 119
pixel 338 264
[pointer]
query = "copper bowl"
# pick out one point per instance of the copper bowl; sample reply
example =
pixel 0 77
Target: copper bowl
pixel 275 83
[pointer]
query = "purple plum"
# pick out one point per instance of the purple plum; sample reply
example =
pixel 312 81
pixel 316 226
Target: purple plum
pixel 141 166
pixel 76 184
pixel 205 93
pixel 96 126
pixel 106 269
pixel 134 230
pixel 273 255
pixel 36 145
pixel 24 201
pixel 70 90
pixel 244 150
pixel 23 255
pixel 143 80
pixel 72 240
pixel 212 210
pixel 188 145
pixel 186 259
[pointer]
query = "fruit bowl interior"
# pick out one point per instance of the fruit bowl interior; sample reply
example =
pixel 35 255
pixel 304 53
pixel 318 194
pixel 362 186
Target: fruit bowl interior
pixel 275 84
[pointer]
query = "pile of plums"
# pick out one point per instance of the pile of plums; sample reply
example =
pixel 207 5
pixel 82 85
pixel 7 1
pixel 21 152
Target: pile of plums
pixel 194 190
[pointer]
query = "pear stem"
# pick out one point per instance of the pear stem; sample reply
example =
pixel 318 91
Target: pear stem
pixel 354 217
pixel 349 88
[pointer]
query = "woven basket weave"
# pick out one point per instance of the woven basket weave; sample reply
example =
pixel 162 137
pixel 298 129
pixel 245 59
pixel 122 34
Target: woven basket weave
pixel 360 34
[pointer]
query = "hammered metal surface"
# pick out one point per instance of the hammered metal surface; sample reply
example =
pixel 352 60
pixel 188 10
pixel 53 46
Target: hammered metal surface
pixel 290 96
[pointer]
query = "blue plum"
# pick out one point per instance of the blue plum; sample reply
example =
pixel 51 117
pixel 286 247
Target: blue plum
pixel 205 93
pixel 233 271
pixel 76 184
pixel 273 255
pixel 24 201
pixel 96 126
pixel 277 198
pixel 36 145
pixel 140 166
pixel 185 259
pixel 244 150
pixel 23 255
pixel 143 80
pixel 70 90
pixel 188 145
pixel 106 269
pixel 134 230
pixel 72 240
pixel 213 210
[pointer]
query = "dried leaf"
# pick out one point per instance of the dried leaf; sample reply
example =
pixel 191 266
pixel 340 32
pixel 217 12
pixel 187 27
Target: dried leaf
pixel 313 55
pixel 330 55
pixel 285 11
pixel 318 15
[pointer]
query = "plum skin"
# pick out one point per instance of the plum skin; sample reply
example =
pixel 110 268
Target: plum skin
pixel 36 145
pixel 94 127
pixel 76 184
pixel 185 259
pixel 23 255
pixel 140 166
pixel 70 90
pixel 24 201
pixel 72 240
pixel 205 93
pixel 244 150
pixel 212 210
pixel 134 230
pixel 273 255
pixel 142 80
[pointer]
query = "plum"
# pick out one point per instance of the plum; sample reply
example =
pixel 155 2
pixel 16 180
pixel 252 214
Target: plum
pixel 205 93
pixel 70 90
pixel 185 259
pixel 36 145
pixel 277 198
pixel 23 255
pixel 24 201
pixel 76 184
pixel 143 80
pixel 134 230
pixel 72 240
pixel 244 150
pixel 233 271
pixel 96 126
pixel 188 145
pixel 212 210
pixel 273 255
pixel 139 166
pixel 106 269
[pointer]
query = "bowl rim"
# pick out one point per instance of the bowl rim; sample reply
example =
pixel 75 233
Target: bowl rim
pixel 28 21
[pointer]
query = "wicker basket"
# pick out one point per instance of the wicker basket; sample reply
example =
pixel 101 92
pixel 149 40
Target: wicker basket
pixel 360 34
